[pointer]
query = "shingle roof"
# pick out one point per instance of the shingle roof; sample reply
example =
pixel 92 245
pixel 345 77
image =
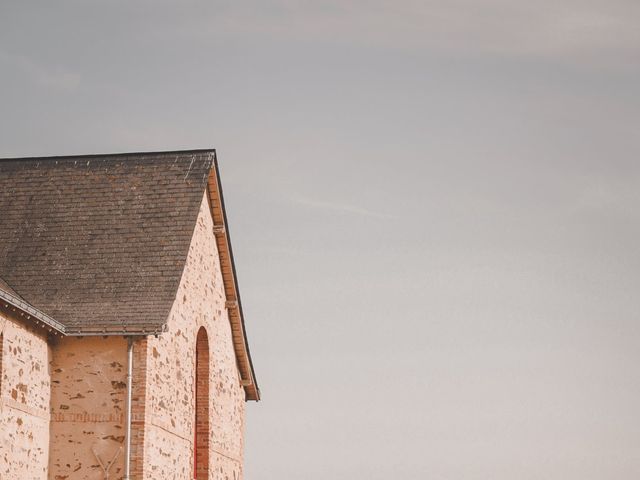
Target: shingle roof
pixel 100 242
pixel 96 244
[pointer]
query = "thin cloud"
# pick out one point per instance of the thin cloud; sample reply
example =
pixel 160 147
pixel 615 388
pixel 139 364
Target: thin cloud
pixel 546 28
pixel 343 208
pixel 56 78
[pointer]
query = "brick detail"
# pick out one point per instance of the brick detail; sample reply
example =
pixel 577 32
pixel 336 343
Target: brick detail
pixel 202 406
pixel 139 420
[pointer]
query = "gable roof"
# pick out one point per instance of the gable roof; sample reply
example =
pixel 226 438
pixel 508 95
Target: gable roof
pixel 99 242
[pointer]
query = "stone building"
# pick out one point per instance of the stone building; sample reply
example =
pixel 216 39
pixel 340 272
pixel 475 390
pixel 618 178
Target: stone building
pixel 123 352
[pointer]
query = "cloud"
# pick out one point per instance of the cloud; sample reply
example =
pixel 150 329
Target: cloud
pixel 342 208
pixel 508 27
pixel 56 78
pixel 613 195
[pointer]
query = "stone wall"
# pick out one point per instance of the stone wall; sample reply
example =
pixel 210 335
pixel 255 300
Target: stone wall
pixel 170 378
pixel 24 401
pixel 88 402
pixel 62 404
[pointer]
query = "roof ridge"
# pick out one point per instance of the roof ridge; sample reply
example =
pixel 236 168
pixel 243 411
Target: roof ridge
pixel 118 154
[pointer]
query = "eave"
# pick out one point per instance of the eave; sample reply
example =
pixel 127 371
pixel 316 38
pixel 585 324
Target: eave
pixel 23 310
pixel 229 277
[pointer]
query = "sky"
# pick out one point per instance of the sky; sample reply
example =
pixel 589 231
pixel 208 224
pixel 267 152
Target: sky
pixel 435 210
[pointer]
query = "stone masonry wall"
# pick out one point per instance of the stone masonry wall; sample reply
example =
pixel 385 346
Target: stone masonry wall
pixel 62 406
pixel 88 402
pixel 170 388
pixel 24 401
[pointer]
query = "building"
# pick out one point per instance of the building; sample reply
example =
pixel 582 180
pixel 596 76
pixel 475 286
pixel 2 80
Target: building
pixel 123 352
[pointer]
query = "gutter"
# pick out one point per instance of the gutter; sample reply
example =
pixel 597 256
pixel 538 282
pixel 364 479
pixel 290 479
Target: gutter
pixel 30 311
pixel 127 446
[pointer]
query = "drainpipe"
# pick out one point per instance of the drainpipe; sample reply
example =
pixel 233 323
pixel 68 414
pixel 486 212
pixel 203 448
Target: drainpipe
pixel 127 447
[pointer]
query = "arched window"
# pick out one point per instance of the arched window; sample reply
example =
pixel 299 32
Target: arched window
pixel 201 444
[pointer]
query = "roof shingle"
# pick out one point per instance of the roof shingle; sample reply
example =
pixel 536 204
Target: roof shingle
pixel 100 242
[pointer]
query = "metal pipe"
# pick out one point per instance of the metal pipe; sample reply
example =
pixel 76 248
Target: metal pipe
pixel 127 449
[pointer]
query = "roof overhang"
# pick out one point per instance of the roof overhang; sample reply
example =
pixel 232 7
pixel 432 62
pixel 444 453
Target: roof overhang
pixel 229 277
pixel 11 302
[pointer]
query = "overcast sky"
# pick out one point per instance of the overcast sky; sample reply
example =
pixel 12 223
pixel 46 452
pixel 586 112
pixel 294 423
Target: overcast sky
pixel 435 208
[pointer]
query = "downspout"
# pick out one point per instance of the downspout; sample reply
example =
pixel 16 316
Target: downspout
pixel 127 447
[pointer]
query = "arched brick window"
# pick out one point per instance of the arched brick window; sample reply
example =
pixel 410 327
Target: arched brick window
pixel 201 445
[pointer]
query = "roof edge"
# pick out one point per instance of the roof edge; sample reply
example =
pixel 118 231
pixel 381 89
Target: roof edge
pixel 230 280
pixel 119 154
pixel 29 312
